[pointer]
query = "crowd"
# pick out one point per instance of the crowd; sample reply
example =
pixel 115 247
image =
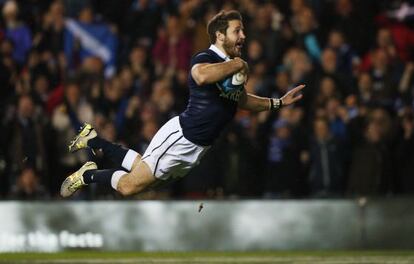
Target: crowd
pixel 123 66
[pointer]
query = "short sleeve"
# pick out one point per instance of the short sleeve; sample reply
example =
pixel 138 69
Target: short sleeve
pixel 202 57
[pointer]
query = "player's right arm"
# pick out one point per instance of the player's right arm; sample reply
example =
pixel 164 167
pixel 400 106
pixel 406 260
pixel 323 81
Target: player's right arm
pixel 205 73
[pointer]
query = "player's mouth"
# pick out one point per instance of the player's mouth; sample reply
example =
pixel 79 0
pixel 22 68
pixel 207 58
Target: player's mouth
pixel 239 45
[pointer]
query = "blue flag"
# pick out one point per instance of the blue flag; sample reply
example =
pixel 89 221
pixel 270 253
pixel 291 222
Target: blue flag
pixel 95 40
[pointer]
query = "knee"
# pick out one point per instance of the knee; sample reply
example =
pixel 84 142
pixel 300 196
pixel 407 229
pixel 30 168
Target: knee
pixel 127 189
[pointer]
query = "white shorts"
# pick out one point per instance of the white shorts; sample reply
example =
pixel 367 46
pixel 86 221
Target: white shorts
pixel 170 154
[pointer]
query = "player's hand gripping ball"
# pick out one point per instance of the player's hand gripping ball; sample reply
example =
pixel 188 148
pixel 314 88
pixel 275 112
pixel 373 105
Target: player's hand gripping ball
pixel 234 82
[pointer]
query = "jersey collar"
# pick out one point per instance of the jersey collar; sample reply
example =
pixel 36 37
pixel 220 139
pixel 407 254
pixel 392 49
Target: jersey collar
pixel 219 52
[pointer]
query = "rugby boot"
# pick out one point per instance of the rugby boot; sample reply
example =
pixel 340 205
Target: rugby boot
pixel 75 181
pixel 86 132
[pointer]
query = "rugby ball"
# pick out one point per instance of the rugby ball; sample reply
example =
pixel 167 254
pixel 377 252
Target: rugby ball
pixel 234 82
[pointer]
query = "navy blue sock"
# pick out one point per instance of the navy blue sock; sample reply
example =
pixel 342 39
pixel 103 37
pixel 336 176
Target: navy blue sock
pixel 114 152
pixel 99 176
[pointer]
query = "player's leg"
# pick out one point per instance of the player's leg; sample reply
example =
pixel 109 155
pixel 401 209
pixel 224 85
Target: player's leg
pixel 87 137
pixel 126 183
pixel 161 160
pixel 168 156
pixel 138 180
pixel 141 176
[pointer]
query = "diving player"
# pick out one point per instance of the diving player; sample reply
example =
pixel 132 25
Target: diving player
pixel 183 140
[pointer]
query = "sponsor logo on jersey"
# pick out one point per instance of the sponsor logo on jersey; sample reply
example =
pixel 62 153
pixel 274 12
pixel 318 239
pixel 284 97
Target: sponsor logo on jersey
pixel 233 95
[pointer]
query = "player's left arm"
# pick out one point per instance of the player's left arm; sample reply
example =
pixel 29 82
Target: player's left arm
pixel 256 103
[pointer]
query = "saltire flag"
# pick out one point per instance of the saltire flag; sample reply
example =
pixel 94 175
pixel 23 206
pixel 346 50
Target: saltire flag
pixel 95 39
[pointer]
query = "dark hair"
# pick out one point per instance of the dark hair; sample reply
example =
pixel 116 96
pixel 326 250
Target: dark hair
pixel 220 23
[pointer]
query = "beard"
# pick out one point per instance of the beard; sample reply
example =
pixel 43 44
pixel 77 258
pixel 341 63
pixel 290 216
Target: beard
pixel 231 48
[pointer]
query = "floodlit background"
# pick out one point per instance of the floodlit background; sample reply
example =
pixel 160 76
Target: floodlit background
pixel 333 171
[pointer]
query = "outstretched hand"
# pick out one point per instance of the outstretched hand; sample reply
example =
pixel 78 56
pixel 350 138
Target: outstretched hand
pixel 293 95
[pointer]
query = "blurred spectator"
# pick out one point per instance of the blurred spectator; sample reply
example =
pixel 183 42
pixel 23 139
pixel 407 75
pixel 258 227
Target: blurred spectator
pixel 142 70
pixel 298 64
pixel 283 167
pixel 27 134
pixel 348 60
pixel 300 67
pixel 327 90
pixel 148 131
pixel 401 35
pixel 326 175
pixel 162 97
pixel 356 126
pixel 173 47
pixel 51 36
pixel 370 168
pixel 258 80
pixel 244 157
pixel 278 85
pixel 41 89
pixel 329 67
pixel 337 117
pixel 28 186
pixel 255 52
pixel 384 78
pixel 385 42
pixel 355 20
pixel 147 14
pixel 265 30
pixel 365 93
pixel 305 26
pixel 16 31
pixel 44 64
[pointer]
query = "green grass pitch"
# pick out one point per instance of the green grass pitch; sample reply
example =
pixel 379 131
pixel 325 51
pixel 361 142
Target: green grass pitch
pixel 258 257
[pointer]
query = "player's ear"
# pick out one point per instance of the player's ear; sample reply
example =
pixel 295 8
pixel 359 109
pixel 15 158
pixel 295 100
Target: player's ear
pixel 219 36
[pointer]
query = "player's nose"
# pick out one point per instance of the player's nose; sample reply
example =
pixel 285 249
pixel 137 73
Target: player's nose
pixel 242 35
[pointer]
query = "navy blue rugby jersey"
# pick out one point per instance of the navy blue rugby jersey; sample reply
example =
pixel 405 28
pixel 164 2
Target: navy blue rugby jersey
pixel 209 109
